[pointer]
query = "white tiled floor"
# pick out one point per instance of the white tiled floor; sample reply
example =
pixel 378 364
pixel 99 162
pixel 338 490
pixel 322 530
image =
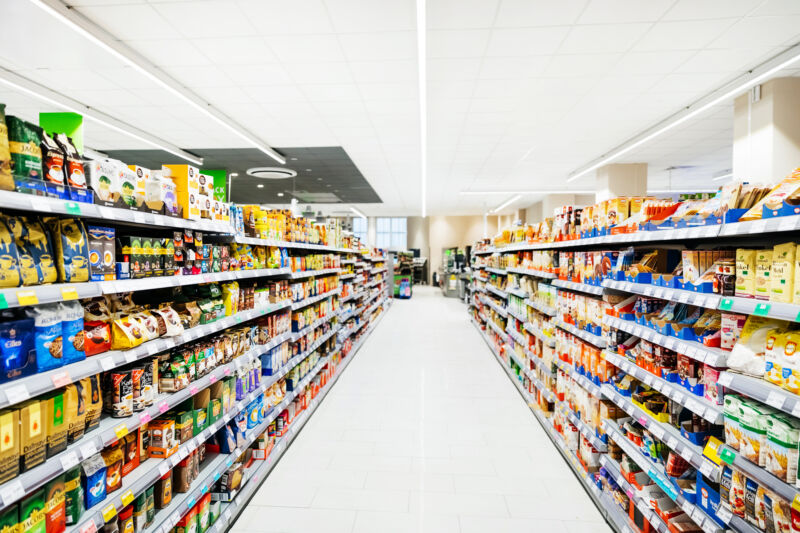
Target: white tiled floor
pixel 422 433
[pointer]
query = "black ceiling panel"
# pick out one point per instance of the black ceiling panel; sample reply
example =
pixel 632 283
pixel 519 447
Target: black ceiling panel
pixel 339 175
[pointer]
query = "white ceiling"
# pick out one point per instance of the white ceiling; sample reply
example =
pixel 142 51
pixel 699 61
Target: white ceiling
pixel 520 92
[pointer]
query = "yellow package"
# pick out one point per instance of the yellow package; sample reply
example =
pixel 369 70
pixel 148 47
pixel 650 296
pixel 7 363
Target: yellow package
pixel 230 295
pixel 71 247
pixel 782 274
pixel 745 273
pixel 763 268
pixel 790 366
pixel 261 256
pixel 126 333
pixel 796 288
pixel 773 356
pixel 9 258
pixel 774 200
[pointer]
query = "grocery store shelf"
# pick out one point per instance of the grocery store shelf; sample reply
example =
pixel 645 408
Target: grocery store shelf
pixel 699 299
pixel 343 277
pixel 531 272
pixel 713 356
pixel 582 287
pixel 297 335
pixel 519 316
pixel 518 338
pixel 500 271
pixel 42 294
pixel 377 270
pixel 295 245
pixel 315 273
pixel 314 299
pixel 547 310
pixel 347 262
pixel 591 338
pixel 516 291
pixel 696 404
pixel 613 468
pixel 488 251
pixel 768 225
pixel 585 430
pixel 525 368
pixel 536 332
pixel 375 258
pixel 491 288
pixel 751 306
pixel 664 432
pixel 540 364
pixel 497 329
pixel 656 473
pixel 352 296
pixel 585 383
pixel 761 390
pixel 498 308
pixel 21 389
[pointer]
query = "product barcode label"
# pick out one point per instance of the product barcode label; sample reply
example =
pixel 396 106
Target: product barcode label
pixel 107 363
pixel 69 460
pixel 672 442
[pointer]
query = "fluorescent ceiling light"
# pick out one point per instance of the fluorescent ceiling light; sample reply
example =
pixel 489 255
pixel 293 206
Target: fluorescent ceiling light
pixel 570 191
pixel 507 203
pixel 357 212
pixel 68 104
pixel 117 48
pixel 423 102
pixel 723 177
pixel 234 174
pixel 752 78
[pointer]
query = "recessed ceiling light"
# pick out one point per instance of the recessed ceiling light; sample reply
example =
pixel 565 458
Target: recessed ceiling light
pixel 308 170
pixel 260 185
pixel 280 194
pixel 271 173
pixel 234 174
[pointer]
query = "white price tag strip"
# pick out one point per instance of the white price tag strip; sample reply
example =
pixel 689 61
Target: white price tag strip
pixel 776 399
pixel 88 449
pixel 69 460
pixel 17 394
pixel 725 379
pixel 12 492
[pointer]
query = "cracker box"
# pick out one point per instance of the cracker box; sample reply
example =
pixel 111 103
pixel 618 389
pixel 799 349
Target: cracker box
pixel 187 188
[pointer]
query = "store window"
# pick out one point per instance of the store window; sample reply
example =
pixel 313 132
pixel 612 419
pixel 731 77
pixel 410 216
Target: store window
pixel 391 233
pixel 360 229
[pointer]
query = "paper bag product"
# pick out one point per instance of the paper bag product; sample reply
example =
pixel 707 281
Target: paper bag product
pixel 24 142
pixel 789 363
pixel 73 495
pixel 775 198
pixel 32 434
pixel 93 480
pixel 56 426
pixel 73 164
pixel 74 412
pixel 9 258
pixel 763 271
pixel 55 505
pixel 782 274
pixel 32 513
pixel 6 179
pixel 52 160
pixel 126 333
pixel 34 249
pixel 9 444
pixel 745 273
pixel 72 331
pixel 47 336
pixel 773 356
pixel 102 253
pixel 71 247
pixel 9 519
pixel 783 437
pixel 753 421
pixel 163 491
pixel 105 178
pixel 92 399
pixel 113 458
pixel 118 393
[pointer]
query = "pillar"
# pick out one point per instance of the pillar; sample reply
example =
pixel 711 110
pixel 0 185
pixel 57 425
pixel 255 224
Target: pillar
pixel 621 179
pixel 766 131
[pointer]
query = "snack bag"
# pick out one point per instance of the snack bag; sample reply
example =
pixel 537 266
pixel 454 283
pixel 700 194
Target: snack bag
pixel 748 353
pixel 75 174
pixel 782 274
pixel 52 160
pixel 47 336
pixel 126 333
pixel 72 329
pixel 9 258
pixel 745 273
pixel 24 142
pixel 6 179
pixel 773 356
pixel 34 249
pixel 71 247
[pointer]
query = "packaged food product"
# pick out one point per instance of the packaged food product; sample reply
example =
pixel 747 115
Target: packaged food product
pixel 24 142
pixel 32 436
pixel 52 160
pixel 10 450
pixel 128 186
pixel 32 513
pixel 126 520
pixel 773 356
pixel 737 493
pixel 94 480
pixel 126 333
pixel 105 178
pixel 763 273
pixel 774 199
pixel 745 273
pixel 74 411
pixel 169 321
pixel 55 505
pixel 733 431
pixel 92 399
pixel 113 458
pixel 73 495
pixel 17 348
pixel 6 179
pixel 783 438
pixel 102 253
pixel 782 274
pixel 72 331
pixel 747 354
pixel 118 393
pixel 790 365
pixel 71 247
pixel 47 336
pixel 97 337
pixel 753 422
pixel 9 258
pixel 130 453
pixel 73 164
pixel 163 491
pixel 56 425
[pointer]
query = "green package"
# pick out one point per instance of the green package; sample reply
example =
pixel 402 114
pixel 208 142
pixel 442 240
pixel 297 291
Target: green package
pixel 24 143
pixel 9 519
pixel 6 179
pixel 31 513
pixel 73 493
pixel 151 504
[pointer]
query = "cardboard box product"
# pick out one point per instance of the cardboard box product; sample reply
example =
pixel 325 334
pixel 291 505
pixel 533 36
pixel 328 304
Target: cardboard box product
pixel 56 423
pixel 55 505
pixel 184 426
pixel 187 188
pixel 163 441
pixel 33 437
pixel 9 519
pixel 32 513
pixel 102 256
pixel 74 412
pixel 9 444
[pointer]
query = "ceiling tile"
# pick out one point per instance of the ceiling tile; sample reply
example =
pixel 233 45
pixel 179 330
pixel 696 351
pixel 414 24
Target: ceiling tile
pixel 453 69
pixel 205 76
pixel 566 65
pixel 361 15
pixel 332 92
pixel 170 52
pixel 693 35
pixel 513 68
pixel 761 31
pixel 384 71
pixel 235 50
pixel 128 22
pixel 210 17
pixel 310 73
pixel 601 38
pixel 521 13
pixel 619 11
pixel 453 14
pixel 277 17
pixel 305 49
pixel 379 46
pixel 267 74
pixel 525 41
pixel 457 43
pixel 710 9
pixel 274 94
pixel 725 60
pixel 664 62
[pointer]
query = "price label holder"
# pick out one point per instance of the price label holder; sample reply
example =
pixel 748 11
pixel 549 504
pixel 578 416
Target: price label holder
pixel 727 455
pixel 127 497
pixel 725 379
pixel 69 460
pixel 27 297
pixel 61 379
pixel 69 293
pixel 776 399
pixel 88 450
pixel 120 431
pixel 762 309
pixel 12 492
pixel 144 418
pixel 17 394
pixel 89 527
pixel 163 407
pixel 108 512
pixel 724 515
pixel 163 468
pixel 672 442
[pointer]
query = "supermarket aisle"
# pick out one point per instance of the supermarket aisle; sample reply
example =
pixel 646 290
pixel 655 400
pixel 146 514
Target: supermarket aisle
pixel 423 433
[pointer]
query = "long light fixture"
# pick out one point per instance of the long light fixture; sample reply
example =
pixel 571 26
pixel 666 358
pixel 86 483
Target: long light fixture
pixel 507 203
pixel 423 102
pixel 357 212
pixel 72 18
pixel 44 94
pixel 723 177
pixel 564 191
pixel 743 83
pixel 679 191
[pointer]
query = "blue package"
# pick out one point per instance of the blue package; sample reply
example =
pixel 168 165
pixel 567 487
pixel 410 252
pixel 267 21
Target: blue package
pixel 240 420
pixel 94 480
pixel 17 350
pixel 47 336
pixel 252 414
pixel 72 331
